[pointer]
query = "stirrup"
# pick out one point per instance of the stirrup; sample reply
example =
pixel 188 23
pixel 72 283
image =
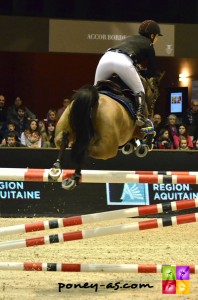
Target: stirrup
pixel 147 127
pixel 147 130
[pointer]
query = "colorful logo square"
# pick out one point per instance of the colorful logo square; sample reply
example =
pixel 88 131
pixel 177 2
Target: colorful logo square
pixel 182 286
pixel 169 272
pixel 182 273
pixel 175 279
pixel 168 286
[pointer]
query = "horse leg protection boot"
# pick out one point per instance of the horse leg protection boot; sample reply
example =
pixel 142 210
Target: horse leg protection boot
pixel 140 100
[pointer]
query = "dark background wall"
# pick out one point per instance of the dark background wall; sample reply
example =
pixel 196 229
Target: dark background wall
pixel 169 11
pixel 155 160
pixel 43 80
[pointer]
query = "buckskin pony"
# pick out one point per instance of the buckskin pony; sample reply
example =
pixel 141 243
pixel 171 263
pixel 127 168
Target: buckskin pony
pixel 96 125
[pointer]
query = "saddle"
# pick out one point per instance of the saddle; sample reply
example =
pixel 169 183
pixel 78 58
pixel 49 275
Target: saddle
pixel 109 86
pixel 117 87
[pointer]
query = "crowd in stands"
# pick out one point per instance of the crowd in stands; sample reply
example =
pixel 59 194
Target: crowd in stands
pixel 177 133
pixel 19 127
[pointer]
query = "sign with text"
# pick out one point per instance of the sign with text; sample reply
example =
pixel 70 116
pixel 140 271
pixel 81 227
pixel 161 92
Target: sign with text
pixel 96 37
pixel 146 194
pixel 29 199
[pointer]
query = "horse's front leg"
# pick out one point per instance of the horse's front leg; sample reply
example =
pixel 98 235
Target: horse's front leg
pixel 56 169
pixel 100 148
pixel 73 181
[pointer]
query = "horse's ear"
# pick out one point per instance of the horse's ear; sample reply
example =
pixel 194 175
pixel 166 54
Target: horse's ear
pixel 153 82
pixel 160 75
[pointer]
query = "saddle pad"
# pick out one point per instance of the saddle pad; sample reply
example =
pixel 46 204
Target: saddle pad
pixel 124 101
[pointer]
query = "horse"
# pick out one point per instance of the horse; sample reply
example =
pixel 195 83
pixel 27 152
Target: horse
pixel 96 125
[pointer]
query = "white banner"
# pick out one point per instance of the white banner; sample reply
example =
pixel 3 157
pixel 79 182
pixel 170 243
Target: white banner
pixel 96 37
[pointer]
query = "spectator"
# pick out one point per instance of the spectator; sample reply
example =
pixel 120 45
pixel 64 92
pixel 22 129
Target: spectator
pixel 12 110
pixel 183 132
pixel 31 136
pixel 195 137
pixel 172 126
pixel 11 141
pixel 3 111
pixel 48 138
pixel 183 144
pixel 9 127
pixel 190 118
pixel 60 111
pixel 164 141
pixel 51 116
pixel 42 128
pixel 158 124
pixel 21 120
pixel 195 144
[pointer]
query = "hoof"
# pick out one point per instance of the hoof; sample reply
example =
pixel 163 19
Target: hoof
pixel 69 184
pixel 54 173
pixel 141 151
pixel 150 147
pixel 128 149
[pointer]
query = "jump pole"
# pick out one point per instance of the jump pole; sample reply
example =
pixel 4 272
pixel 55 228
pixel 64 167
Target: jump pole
pixel 104 268
pixel 101 231
pixel 99 217
pixel 165 172
pixel 100 176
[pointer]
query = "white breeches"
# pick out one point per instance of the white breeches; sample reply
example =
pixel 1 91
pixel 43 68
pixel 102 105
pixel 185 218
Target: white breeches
pixel 122 65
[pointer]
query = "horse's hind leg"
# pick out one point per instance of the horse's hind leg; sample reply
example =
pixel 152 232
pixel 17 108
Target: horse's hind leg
pixel 73 181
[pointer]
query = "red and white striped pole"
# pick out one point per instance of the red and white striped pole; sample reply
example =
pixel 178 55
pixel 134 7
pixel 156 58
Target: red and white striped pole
pixel 105 268
pixel 164 172
pixel 101 176
pixel 99 217
pixel 101 231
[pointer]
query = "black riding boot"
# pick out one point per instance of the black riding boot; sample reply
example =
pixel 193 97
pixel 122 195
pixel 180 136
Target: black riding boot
pixel 140 100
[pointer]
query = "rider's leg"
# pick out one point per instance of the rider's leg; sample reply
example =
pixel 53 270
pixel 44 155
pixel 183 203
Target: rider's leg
pixel 124 67
pixel 105 67
pixel 140 100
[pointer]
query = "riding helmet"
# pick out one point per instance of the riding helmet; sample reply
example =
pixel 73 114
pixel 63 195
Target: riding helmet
pixel 149 27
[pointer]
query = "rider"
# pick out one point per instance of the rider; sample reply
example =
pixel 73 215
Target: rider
pixel 121 59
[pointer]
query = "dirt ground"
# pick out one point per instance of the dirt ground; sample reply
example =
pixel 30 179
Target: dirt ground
pixel 170 245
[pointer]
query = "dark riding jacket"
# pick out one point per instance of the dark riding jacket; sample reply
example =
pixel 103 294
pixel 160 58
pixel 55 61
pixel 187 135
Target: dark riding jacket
pixel 141 50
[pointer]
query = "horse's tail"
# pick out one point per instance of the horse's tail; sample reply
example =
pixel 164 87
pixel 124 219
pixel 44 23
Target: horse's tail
pixel 80 121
